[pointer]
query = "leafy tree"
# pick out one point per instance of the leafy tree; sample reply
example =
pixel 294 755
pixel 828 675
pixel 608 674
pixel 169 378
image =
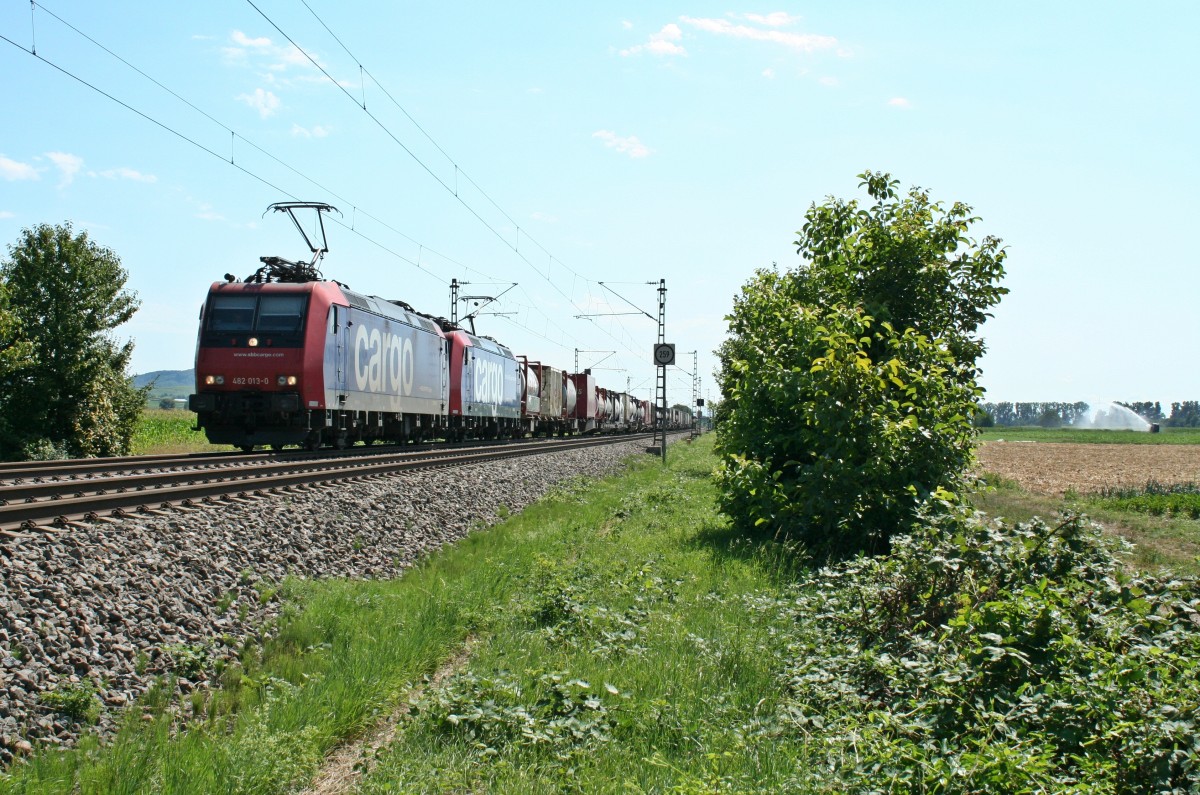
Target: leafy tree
pixel 983 418
pixel 14 356
pixel 1049 418
pixel 14 351
pixel 66 295
pixel 849 381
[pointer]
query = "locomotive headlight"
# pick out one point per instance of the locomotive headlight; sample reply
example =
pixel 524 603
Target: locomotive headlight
pixel 291 380
pixel 281 380
pixel 252 342
pixel 214 379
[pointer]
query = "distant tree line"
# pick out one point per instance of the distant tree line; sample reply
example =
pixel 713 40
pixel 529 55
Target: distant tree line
pixel 1185 414
pixel 1053 414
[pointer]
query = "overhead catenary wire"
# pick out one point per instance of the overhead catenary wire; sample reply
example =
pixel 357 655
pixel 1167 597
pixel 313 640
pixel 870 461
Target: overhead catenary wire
pixel 515 247
pixel 235 135
pixel 625 340
pixel 453 190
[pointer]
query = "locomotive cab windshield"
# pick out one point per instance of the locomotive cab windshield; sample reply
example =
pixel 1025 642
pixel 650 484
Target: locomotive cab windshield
pixel 279 314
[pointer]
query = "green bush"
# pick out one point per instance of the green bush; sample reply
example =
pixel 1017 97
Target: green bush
pixel 831 447
pixel 849 381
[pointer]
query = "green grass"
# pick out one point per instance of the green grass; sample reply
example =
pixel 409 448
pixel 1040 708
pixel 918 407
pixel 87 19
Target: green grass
pixel 170 431
pixel 1087 436
pixel 622 636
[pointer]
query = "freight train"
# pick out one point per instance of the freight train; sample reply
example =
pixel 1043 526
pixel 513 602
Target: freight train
pixel 285 357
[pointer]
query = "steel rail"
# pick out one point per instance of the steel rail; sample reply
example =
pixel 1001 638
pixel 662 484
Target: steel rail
pixel 254 482
pixel 17 473
pixel 142 478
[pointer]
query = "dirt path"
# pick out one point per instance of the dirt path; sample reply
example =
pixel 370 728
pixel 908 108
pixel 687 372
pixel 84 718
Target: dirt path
pixel 346 766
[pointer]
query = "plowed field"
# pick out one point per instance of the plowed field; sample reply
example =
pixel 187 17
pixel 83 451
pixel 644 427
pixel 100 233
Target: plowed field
pixel 1053 468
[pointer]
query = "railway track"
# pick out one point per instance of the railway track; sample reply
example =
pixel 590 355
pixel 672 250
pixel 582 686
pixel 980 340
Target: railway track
pixel 58 495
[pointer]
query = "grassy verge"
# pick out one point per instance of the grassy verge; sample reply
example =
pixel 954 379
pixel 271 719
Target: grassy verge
pixel 1090 436
pixel 1163 539
pixel 621 636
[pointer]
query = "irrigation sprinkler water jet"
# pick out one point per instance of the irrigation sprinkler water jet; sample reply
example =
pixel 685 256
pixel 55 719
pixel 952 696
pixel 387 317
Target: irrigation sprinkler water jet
pixel 1113 416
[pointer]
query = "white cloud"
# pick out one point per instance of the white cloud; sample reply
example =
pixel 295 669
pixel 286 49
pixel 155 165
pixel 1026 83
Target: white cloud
pixel 11 170
pixel 270 57
pixel 206 213
pixel 242 40
pixel 775 19
pixel 289 57
pixel 625 23
pixel 5 214
pixel 68 166
pixel 128 173
pixel 629 145
pixel 899 102
pixel 768 73
pixel 317 131
pixel 661 43
pixel 808 42
pixel 264 102
pixel 829 82
pixel 544 217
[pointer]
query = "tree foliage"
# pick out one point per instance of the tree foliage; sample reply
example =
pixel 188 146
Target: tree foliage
pixel 849 380
pixel 907 261
pixel 69 394
pixel 14 350
pixel 14 357
pixel 1185 414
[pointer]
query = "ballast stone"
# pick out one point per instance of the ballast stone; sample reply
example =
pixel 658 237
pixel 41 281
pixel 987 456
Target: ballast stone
pixel 105 605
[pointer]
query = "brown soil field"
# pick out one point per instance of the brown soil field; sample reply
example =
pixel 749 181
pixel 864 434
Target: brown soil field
pixel 1053 468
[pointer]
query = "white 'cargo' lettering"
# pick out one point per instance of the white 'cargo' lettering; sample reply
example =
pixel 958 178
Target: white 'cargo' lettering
pixel 489 382
pixel 383 362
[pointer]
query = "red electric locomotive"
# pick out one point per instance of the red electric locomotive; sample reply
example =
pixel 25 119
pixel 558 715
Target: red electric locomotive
pixel 288 358
pixel 285 361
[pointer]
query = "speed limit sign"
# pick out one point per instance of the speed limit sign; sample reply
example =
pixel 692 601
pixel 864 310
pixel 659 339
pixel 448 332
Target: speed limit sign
pixel 664 354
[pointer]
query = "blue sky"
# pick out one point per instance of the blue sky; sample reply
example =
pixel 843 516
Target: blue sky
pixel 558 145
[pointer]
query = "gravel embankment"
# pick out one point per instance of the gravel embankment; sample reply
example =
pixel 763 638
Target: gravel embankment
pixel 116 603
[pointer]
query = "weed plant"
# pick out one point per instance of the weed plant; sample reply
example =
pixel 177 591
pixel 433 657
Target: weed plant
pixel 77 702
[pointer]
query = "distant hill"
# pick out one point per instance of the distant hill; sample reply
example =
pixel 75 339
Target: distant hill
pixel 167 384
pixel 166 378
